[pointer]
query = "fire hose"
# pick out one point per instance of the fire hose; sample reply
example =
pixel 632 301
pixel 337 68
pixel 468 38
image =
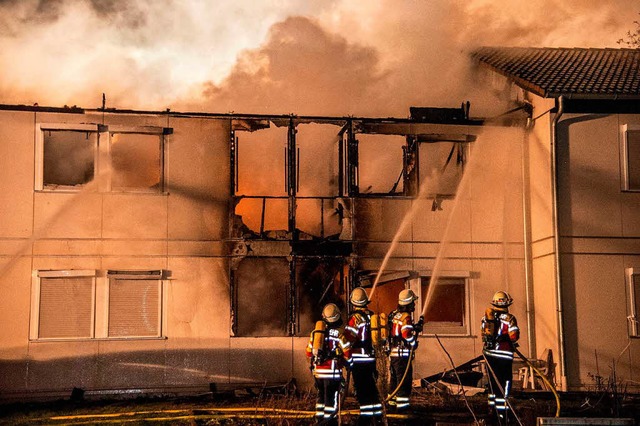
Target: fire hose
pixel 404 376
pixel 544 379
pixel 406 370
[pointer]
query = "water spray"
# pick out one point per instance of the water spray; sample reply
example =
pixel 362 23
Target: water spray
pixel 422 196
pixel 435 273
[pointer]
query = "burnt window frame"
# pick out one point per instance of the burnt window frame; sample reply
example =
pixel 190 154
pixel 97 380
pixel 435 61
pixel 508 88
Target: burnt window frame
pixel 41 128
pixel 292 298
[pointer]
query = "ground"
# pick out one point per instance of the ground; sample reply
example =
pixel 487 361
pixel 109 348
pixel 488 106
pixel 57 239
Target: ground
pixel 428 408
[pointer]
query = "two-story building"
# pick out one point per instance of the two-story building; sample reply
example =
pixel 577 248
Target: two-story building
pixel 155 251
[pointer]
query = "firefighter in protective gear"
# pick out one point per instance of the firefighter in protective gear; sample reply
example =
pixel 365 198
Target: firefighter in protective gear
pixel 500 333
pixel 328 359
pixel 358 333
pixel 404 341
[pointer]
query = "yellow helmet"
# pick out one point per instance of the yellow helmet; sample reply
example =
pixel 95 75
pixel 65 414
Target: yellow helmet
pixel 359 297
pixel 501 299
pixel 331 313
pixel 406 297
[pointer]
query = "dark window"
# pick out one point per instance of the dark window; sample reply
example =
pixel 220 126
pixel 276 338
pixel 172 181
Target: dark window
pixel 446 311
pixel 69 158
pixel 318 281
pixel 632 160
pixel 262 287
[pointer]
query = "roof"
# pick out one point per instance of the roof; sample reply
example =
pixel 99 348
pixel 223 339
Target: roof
pixel 572 72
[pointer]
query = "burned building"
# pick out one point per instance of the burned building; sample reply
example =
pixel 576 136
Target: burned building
pixel 148 251
pixel 153 250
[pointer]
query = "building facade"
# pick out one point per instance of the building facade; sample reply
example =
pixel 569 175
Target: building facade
pixel 160 251
pixel 582 163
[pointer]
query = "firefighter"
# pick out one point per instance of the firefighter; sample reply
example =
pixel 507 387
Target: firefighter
pixel 358 333
pixel 404 341
pixel 500 333
pixel 329 352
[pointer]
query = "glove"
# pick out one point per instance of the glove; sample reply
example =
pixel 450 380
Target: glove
pixel 419 325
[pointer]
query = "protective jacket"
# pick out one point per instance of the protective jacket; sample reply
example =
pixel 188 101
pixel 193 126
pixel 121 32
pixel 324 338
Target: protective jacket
pixel 499 333
pixel 334 355
pixel 358 333
pixel 402 334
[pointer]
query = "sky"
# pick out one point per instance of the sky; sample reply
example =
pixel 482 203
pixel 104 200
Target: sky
pixel 306 57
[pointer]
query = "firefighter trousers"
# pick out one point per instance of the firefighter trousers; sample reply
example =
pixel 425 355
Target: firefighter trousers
pixel 327 401
pixel 499 384
pixel 399 365
pixel 364 382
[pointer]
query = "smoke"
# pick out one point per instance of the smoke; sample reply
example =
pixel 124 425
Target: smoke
pixel 334 57
pixel 301 68
pixel 141 54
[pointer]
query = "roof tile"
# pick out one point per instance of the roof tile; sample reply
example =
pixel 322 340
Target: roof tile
pixel 551 72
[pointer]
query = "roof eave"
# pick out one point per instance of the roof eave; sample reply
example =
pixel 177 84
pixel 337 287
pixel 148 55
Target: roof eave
pixel 593 96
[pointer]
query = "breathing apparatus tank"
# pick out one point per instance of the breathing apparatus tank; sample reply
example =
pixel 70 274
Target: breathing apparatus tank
pixel 489 328
pixel 379 329
pixel 319 333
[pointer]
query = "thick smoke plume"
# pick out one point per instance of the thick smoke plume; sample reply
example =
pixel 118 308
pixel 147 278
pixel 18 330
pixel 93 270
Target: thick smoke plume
pixel 321 57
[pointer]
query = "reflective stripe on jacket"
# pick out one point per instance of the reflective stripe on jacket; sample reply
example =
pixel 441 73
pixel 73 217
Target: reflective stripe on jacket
pixel 335 354
pixel 358 333
pixel 500 330
pixel 403 334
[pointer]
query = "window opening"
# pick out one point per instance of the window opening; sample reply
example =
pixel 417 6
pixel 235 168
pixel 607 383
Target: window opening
pixel 385 299
pixel 631 160
pixel 79 304
pixel 380 164
pixel 135 304
pixel 633 282
pixel 265 217
pixel 318 281
pixel 128 159
pixel 65 308
pixel 261 162
pixel 262 289
pixel 136 161
pixel 441 167
pixel 68 158
pixel 446 312
pixel 317 160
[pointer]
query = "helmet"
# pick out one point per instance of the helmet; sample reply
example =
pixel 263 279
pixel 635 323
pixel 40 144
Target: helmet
pixel 501 299
pixel 331 313
pixel 359 297
pixel 406 297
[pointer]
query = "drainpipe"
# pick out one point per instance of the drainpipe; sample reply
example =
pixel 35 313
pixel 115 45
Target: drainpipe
pixel 556 242
pixel 526 208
